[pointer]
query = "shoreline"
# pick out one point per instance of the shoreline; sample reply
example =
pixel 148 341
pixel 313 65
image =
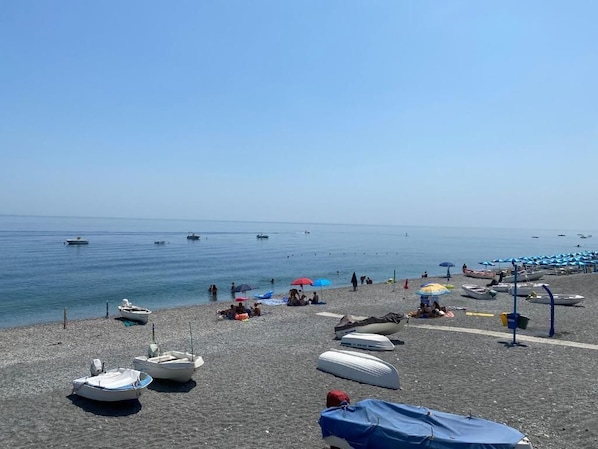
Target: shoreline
pixel 259 386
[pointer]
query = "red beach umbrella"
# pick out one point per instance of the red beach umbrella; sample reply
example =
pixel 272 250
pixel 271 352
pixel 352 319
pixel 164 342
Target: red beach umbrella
pixel 302 282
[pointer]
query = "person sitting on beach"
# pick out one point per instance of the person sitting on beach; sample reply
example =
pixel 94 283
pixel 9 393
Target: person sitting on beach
pixel 230 313
pixel 240 308
pixel 315 299
pixel 302 300
pixel 425 275
pixel 256 310
pixel 368 281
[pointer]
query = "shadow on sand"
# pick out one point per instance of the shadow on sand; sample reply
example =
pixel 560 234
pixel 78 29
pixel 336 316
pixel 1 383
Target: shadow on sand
pixel 168 386
pixel 119 408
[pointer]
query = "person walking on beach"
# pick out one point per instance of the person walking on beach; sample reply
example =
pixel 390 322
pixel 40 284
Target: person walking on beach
pixel 354 281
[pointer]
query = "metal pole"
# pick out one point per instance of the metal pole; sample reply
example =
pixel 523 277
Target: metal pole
pixel 551 332
pixel 64 319
pixel 515 304
pixel 107 310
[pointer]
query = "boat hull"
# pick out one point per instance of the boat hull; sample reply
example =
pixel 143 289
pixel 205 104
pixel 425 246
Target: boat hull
pixel 559 299
pixel 371 342
pixel 524 277
pixel 171 365
pixel 387 325
pixel 359 367
pixel 382 424
pixel 526 289
pixel 479 274
pixel 137 314
pixel 479 292
pixel 121 384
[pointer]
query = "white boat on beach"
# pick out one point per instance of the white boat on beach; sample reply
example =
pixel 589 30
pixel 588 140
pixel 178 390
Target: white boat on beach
pixel 478 291
pixel 479 274
pixel 560 299
pixel 372 342
pixel 359 367
pixel 526 288
pixel 502 287
pixel 176 366
pixel 120 384
pixel 373 423
pixel 524 276
pixel 132 312
pixel 385 325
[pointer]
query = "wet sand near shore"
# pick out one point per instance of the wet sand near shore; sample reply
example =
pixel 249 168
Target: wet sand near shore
pixel 259 386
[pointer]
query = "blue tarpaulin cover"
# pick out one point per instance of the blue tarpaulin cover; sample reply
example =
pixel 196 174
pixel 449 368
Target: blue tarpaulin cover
pixel 375 424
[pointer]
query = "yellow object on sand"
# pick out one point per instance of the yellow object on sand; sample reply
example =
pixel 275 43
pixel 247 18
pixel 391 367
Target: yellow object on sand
pixel 449 286
pixel 478 314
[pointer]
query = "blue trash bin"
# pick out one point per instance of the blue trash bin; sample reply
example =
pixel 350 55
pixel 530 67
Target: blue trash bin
pixel 512 320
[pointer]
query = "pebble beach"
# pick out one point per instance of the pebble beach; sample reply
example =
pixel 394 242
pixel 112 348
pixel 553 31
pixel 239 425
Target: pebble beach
pixel 259 386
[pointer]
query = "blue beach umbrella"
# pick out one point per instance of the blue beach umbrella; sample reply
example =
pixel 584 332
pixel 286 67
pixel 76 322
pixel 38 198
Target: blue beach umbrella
pixel 321 283
pixel 448 266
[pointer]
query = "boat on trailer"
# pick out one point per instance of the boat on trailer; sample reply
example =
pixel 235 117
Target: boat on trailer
pixel 359 367
pixel 373 423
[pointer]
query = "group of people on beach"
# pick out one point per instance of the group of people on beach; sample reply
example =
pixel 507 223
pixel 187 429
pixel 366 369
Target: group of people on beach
pixel 239 311
pixel 425 310
pixel 300 299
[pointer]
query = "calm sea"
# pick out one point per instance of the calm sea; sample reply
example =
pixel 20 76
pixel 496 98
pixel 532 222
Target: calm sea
pixel 40 276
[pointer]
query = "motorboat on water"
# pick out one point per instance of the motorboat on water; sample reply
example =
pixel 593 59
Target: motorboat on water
pixel 385 325
pixel 120 384
pixel 262 236
pixel 77 241
pixel 372 342
pixel 560 299
pixel 386 425
pixel 364 368
pixel 192 236
pixel 133 312
pixel 479 291
pixel 479 274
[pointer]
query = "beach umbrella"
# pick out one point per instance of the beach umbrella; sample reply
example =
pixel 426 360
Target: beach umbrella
pixel 487 263
pixel 302 282
pixel 448 266
pixel 432 289
pixel 243 288
pixel 321 283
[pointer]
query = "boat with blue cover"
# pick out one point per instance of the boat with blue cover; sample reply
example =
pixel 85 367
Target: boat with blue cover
pixel 373 423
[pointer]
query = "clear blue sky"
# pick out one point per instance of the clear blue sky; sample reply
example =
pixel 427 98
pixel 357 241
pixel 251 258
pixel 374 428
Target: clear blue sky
pixel 340 111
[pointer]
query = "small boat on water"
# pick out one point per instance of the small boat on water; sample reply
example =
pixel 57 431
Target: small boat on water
pixel 132 312
pixel 479 274
pixel 380 424
pixel 120 384
pixel 560 299
pixel 359 367
pixel 524 276
pixel 160 242
pixel 262 236
pixel 385 325
pixel 192 236
pixel 372 342
pixel 77 241
pixel 526 288
pixel 479 291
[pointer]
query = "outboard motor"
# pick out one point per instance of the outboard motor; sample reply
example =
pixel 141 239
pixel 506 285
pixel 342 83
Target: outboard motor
pixel 126 303
pixel 97 367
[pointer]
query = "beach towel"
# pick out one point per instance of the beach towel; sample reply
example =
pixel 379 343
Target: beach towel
pixel 273 302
